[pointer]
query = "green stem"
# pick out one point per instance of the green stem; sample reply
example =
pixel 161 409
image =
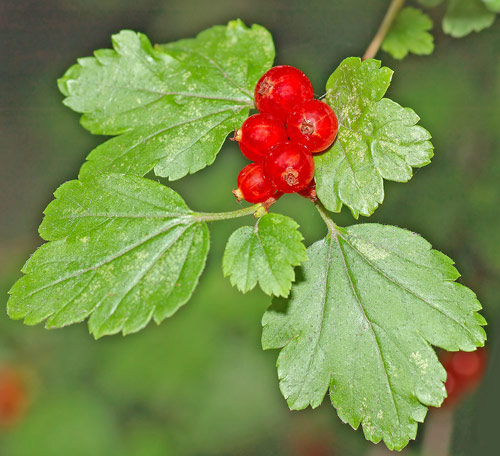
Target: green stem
pixel 392 12
pixel 215 216
pixel 257 210
pixel 333 229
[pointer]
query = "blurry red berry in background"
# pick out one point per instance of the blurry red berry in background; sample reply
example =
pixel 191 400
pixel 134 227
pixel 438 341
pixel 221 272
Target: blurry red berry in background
pixel 465 371
pixel 258 134
pixel 313 124
pixel 12 396
pixel 280 89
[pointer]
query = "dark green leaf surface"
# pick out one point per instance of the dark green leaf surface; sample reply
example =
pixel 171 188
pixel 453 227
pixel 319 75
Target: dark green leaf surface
pixel 265 254
pixel 360 321
pixel 122 250
pixel 377 139
pixel 409 33
pixel 467 16
pixel 173 105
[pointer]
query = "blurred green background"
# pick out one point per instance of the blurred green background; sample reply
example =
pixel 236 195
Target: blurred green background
pixel 200 384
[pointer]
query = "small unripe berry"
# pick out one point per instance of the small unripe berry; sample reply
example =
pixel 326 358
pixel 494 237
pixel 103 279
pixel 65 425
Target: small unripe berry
pixel 258 134
pixel 289 166
pixel 252 185
pixel 280 89
pixel 313 124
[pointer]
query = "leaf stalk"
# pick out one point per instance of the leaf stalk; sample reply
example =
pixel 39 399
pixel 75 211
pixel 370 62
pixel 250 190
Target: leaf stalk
pixel 257 210
pixel 333 229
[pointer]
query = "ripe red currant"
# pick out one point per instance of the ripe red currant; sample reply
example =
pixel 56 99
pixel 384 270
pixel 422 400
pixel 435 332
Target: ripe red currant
pixel 258 134
pixel 310 191
pixel 314 124
pixel 289 166
pixel 280 89
pixel 252 185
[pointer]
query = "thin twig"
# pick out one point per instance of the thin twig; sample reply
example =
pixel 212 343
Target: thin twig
pixel 392 12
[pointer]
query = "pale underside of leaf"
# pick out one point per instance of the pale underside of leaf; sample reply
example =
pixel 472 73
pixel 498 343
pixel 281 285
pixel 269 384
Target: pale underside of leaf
pixel 361 321
pixel 265 254
pixel 123 250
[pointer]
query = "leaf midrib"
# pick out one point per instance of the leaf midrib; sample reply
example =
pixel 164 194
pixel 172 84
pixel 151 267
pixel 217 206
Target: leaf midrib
pixel 224 74
pixel 84 83
pixel 404 288
pixel 143 141
pixel 112 258
pixel 365 316
pixel 141 274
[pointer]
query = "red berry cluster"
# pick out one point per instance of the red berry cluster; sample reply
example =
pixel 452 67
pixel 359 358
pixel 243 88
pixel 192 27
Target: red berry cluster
pixel 465 370
pixel 280 140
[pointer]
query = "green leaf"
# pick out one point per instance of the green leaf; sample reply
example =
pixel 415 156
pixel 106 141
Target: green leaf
pixel 122 250
pixel 377 139
pixel 493 5
pixel 430 3
pixel 466 16
pixel 173 105
pixel 409 33
pixel 265 254
pixel 361 320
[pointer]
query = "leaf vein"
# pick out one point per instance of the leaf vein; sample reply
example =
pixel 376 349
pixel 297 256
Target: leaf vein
pixel 365 316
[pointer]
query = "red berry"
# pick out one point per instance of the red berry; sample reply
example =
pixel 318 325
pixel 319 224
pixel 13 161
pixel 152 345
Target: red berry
pixel 469 366
pixel 465 370
pixel 12 396
pixel 310 191
pixel 280 89
pixel 453 389
pixel 314 124
pixel 258 134
pixel 252 185
pixel 289 166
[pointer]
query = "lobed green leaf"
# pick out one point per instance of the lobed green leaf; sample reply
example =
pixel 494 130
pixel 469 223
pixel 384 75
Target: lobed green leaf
pixel 377 139
pixel 265 254
pixel 360 321
pixel 409 33
pixel 171 106
pixel 467 16
pixel 122 250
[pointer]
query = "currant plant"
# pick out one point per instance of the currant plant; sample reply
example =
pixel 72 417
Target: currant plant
pixel 370 301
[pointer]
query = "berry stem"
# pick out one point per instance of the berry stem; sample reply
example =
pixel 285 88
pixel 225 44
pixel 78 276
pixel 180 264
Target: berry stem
pixel 257 210
pixel 390 15
pixel 333 229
